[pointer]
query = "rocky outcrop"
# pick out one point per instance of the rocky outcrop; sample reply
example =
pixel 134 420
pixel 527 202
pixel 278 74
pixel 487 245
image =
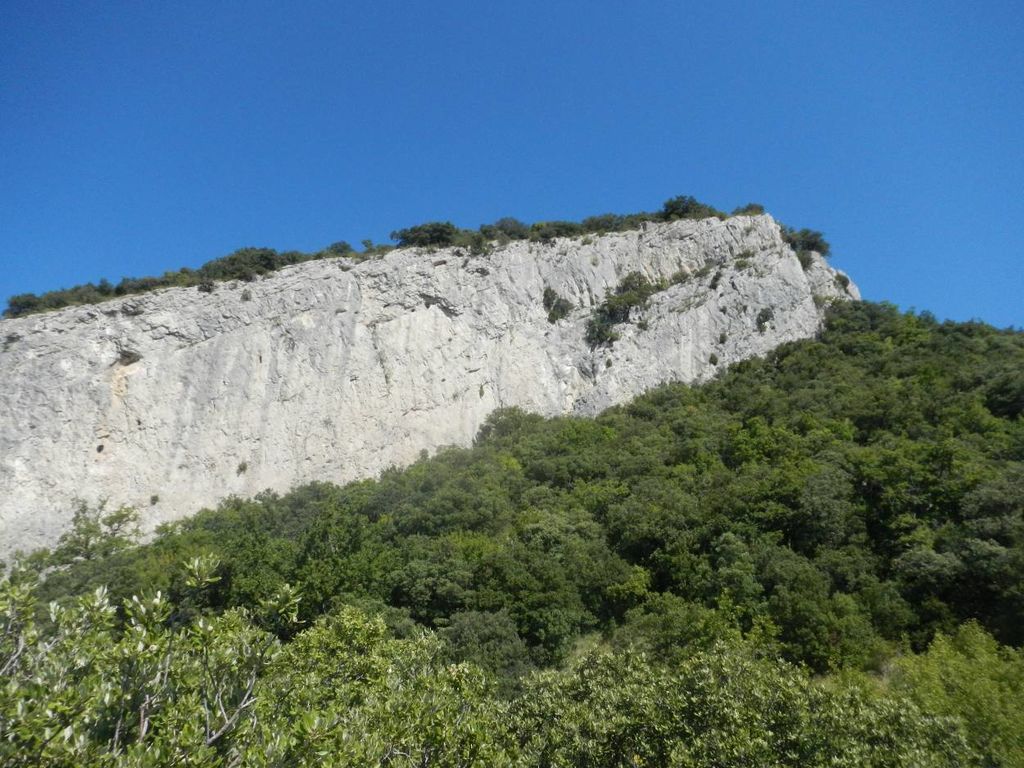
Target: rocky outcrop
pixel 335 370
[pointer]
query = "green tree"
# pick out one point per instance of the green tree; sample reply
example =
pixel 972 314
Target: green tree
pixel 434 233
pixel 686 207
pixel 969 677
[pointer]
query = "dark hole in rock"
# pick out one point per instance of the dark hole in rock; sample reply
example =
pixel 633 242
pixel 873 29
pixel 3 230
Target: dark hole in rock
pixel 128 356
pixel 99 449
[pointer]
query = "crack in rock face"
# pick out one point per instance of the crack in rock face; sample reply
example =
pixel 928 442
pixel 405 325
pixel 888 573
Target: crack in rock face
pixel 317 372
pixel 440 302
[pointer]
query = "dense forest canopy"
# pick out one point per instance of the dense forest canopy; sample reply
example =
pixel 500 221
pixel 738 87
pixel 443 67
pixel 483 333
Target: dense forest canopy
pixel 815 559
pixel 248 264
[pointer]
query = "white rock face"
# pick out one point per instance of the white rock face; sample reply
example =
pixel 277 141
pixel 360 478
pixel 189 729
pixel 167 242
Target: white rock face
pixel 332 370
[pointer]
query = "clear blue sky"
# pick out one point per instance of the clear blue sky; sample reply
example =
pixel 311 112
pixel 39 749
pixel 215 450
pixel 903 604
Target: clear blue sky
pixel 140 137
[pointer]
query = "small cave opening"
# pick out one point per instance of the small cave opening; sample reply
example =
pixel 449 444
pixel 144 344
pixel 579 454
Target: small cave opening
pixel 128 357
pixel 99 448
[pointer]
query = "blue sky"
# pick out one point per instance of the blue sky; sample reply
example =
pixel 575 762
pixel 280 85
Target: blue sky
pixel 142 137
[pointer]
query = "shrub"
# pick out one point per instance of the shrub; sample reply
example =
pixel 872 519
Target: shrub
pixel 1004 393
pixel 370 250
pixel 433 233
pixel 506 228
pixel 245 264
pixel 545 231
pixel 632 292
pixel 22 304
pixel 686 207
pixel 806 240
pixel 340 248
pixel 606 222
pixel 750 209
pixel 765 316
pixel 600 333
pixel 970 678
pixel 556 306
pixel 476 242
pixel 130 285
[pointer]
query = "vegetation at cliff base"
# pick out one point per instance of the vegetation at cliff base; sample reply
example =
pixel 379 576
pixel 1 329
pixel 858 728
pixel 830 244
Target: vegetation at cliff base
pixel 815 559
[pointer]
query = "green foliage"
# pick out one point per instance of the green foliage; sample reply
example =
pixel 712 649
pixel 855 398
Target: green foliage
pixel 490 641
pixel 156 689
pixel 856 492
pixel 1004 393
pixel 631 293
pixel 545 231
pixel 340 248
pixel 606 222
pixel 86 690
pixel 437 234
pixel 371 250
pixel 247 264
pixel 506 229
pixel 969 678
pixel 94 535
pixel 708 575
pixel 557 307
pixel 722 707
pixel 686 207
pixel 806 240
pixel 750 209
pixel 244 264
pixel 220 691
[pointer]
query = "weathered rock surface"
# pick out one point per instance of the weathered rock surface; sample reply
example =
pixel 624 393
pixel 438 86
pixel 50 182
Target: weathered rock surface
pixel 334 370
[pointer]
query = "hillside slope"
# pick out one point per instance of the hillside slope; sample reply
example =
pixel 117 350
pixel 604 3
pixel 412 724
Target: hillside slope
pixel 814 559
pixel 336 370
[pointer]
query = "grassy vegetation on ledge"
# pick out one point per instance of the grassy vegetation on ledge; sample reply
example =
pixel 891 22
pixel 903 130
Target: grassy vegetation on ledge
pixel 250 263
pixel 816 559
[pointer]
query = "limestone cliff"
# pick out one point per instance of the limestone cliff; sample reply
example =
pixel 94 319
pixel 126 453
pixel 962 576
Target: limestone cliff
pixel 334 370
